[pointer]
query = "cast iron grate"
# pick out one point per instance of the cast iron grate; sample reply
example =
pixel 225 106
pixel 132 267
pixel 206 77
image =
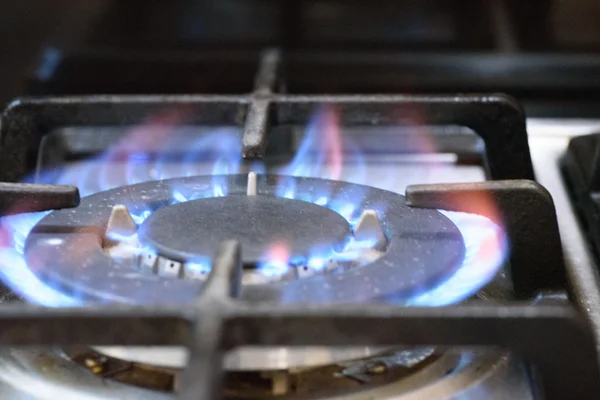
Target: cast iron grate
pixel 581 166
pixel 498 119
pixel 555 337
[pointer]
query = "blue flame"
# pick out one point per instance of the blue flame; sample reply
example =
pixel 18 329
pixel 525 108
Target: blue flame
pixel 202 154
pixel 14 270
pixel 184 151
pixel 317 154
pixel 199 266
pixel 178 197
pixel 29 286
pixel 479 266
pixel 140 217
pixel 273 268
pixel 320 155
pixel 316 263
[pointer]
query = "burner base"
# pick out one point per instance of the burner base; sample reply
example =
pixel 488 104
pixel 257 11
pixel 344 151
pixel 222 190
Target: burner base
pixel 424 248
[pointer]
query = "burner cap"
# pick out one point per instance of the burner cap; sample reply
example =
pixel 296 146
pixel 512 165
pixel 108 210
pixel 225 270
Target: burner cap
pixel 196 228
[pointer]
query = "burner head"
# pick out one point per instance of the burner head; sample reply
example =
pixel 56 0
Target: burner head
pixel 195 228
pixel 421 248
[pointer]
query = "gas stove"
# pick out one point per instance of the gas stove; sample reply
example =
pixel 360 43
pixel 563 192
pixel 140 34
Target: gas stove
pixel 297 240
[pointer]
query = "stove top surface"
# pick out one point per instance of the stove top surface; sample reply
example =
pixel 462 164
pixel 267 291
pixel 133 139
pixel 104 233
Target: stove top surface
pixel 546 138
pixel 294 230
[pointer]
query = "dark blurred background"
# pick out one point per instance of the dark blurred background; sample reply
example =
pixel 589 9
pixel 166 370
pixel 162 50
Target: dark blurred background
pixel 542 51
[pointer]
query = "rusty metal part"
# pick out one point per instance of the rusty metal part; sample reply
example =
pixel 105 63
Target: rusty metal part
pixel 472 370
pixel 362 370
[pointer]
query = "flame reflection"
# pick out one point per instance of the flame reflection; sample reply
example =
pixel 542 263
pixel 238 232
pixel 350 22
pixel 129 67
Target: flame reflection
pixel 165 148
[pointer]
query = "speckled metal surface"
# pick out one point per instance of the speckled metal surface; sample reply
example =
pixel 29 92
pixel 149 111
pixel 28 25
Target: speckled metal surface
pixel 64 249
pixel 195 228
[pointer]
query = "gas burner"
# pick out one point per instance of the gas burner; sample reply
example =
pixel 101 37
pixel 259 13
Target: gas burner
pixel 469 374
pixel 380 249
pixel 281 238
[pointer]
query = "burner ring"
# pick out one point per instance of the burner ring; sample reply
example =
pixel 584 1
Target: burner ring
pixel 65 248
pixel 195 228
